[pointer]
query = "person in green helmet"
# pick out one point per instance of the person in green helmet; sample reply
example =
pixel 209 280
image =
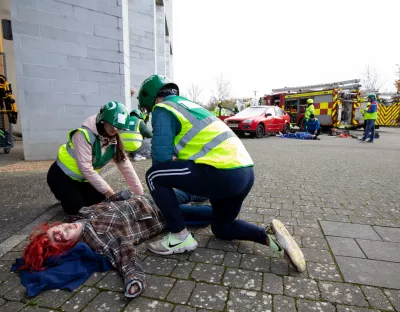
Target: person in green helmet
pixel 74 177
pixel 371 114
pixel 195 152
pixel 133 137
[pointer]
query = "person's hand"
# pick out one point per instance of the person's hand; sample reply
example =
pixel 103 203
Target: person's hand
pixel 109 193
pixel 134 289
pixel 174 158
pixel 132 92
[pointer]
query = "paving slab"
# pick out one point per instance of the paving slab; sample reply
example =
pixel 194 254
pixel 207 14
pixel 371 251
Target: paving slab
pixel 147 305
pixel 323 271
pixel 273 284
pixel 210 273
pixel 279 266
pixel 301 287
pixel 209 297
pixel 342 308
pixel 207 256
pixel 80 299
pixel 342 246
pixel 158 287
pixel 112 281
pixel 158 265
pixel 342 293
pixel 394 297
pixel 242 279
pixel 183 269
pixel 315 255
pixel 320 306
pixel 181 308
pixel 388 234
pixel 349 230
pixel 12 307
pixel 370 272
pixel 181 291
pixel 384 251
pixel 232 259
pixel 244 300
pixel 107 301
pixel 284 304
pixel 376 298
pixel 255 263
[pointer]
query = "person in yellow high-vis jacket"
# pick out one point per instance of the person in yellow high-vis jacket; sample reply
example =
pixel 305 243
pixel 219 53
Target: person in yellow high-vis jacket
pixel 194 151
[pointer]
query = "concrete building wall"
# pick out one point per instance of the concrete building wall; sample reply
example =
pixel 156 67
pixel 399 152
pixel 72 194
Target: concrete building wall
pixel 74 56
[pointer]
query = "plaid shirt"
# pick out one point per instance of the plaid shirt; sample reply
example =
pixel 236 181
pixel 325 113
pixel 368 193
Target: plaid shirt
pixel 113 229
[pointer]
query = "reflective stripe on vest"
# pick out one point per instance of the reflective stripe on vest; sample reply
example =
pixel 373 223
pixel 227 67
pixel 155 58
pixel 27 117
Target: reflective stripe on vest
pixel 66 156
pixel 132 139
pixel 207 141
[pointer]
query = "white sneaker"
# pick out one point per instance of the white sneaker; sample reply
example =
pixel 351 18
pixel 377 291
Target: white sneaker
pixel 139 158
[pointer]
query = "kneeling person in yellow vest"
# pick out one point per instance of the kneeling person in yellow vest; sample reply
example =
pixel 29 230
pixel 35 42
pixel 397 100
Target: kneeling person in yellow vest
pixel 194 151
pixel 74 177
pixel 133 137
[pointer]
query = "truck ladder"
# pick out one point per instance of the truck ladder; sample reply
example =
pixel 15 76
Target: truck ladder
pixel 346 84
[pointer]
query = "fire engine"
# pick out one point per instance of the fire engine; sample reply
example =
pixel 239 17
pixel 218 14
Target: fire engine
pixel 388 108
pixel 336 104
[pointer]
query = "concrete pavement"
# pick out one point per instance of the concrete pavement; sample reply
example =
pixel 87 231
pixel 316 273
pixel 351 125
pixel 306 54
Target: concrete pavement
pixel 339 198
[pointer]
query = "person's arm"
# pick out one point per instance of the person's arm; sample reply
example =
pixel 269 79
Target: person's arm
pixel 164 132
pixel 144 131
pixel 372 108
pixel 306 125
pixel 318 125
pixel 130 176
pixel 83 154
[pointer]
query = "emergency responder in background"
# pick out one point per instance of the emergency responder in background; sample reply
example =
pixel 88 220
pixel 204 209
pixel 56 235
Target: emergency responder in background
pixel 309 109
pixel 235 109
pixel 74 178
pixel 313 126
pixel 195 152
pixel 371 114
pixel 133 137
pixel 365 116
pixel 248 104
pixel 217 109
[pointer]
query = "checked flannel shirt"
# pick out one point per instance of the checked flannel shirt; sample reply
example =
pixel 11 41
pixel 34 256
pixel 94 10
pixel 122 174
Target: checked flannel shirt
pixel 113 229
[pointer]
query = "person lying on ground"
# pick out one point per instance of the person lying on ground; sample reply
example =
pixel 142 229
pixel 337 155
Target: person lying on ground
pixel 113 229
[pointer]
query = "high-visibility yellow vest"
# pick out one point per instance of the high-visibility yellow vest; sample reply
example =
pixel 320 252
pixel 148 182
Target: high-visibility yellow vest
pixel 204 138
pixel 309 111
pixel 217 111
pixel 132 138
pixel 66 156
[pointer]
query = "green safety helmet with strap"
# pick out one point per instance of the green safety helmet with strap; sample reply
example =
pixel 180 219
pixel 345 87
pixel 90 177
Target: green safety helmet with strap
pixel 310 101
pixel 115 114
pixel 149 90
pixel 371 96
pixel 137 113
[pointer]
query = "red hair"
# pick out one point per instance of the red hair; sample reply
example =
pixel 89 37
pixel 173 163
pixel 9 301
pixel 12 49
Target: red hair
pixel 40 248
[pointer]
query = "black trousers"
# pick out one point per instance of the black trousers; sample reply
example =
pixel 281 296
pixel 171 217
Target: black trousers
pixel 72 194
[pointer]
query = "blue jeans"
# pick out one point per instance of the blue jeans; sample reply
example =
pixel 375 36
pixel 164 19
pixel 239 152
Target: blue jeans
pixel 369 130
pixel 193 214
pixel 226 189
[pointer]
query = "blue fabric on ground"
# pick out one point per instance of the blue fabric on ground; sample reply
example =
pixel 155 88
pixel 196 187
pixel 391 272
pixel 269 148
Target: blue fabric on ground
pixel 67 271
pixel 297 135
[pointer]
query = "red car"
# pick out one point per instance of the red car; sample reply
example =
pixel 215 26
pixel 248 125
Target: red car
pixel 259 120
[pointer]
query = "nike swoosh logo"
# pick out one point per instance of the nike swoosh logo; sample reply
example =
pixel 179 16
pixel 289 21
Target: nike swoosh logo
pixel 171 246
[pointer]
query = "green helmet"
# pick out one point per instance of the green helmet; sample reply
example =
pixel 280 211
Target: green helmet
pixel 115 114
pixel 371 96
pixel 149 90
pixel 137 113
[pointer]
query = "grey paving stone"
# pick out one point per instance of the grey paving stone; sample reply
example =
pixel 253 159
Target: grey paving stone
pixel 107 301
pixel 232 259
pixel 314 242
pixel 323 271
pixel 2 301
pixel 183 269
pixel 349 230
pixel 255 263
pixel 388 234
pixel 215 243
pixel 181 308
pixel 207 256
pixel 376 298
pixel 10 283
pixel 342 308
pixel 94 278
pixel 209 297
pixel 202 240
pixel 159 266
pixel 204 231
pixel 380 250
pixel 80 299
pixel 342 246
pixel 279 266
pixel 273 284
pixel 158 287
pixel 342 293
pixel 284 304
pixel 16 294
pixel 148 305
pixel 304 231
pixel 246 247
pixel 308 305
pixel 12 255
pixel 370 272
pixel 12 307
pixel 336 218
pixel 210 273
pixel 300 287
pixel 314 255
pixel 35 309
pixel 241 300
pixel 394 297
pixel 242 279
pixel 53 298
pixel 181 291
pixel 308 223
pixel 112 281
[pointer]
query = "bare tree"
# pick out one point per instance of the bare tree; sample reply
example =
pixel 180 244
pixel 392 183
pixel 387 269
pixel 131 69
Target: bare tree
pixel 194 92
pixel 371 80
pixel 223 88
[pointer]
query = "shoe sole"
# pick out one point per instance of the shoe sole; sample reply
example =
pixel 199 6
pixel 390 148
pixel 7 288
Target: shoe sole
pixel 175 251
pixel 293 252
